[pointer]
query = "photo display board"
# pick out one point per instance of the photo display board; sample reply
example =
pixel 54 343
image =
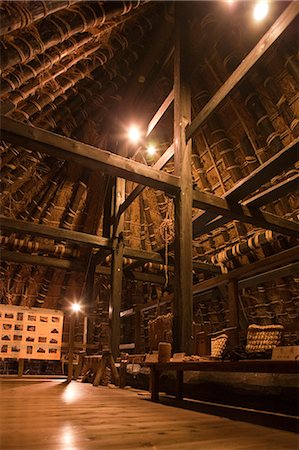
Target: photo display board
pixel 30 333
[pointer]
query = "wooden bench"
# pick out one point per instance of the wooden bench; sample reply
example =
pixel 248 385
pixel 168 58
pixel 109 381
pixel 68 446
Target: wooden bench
pixel 254 366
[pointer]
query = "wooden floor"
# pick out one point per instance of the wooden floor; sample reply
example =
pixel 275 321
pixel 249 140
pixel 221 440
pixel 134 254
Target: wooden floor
pixel 50 415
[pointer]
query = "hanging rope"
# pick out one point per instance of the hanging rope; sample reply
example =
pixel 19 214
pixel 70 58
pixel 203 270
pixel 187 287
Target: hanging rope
pixel 167 233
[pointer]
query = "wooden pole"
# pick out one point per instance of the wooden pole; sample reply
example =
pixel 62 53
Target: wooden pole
pixel 233 311
pixel 71 347
pixel 183 299
pixel 21 367
pixel 116 290
pixel 117 273
pixel 137 329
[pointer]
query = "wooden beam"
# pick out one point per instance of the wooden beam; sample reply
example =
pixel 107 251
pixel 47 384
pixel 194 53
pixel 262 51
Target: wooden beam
pixel 60 147
pixel 103 270
pixel 161 111
pixel 271 262
pixel 274 192
pixel 256 53
pixel 218 221
pixel 269 169
pixel 137 331
pixel 290 269
pixel 286 271
pixel 115 297
pixel 70 366
pixel 76 237
pixel 142 255
pixel 221 206
pixel 183 299
pixel 59 234
pixel 35 260
pixel 233 310
pixel 107 223
pixel 120 195
pixel 162 161
pixel 282 160
pixel 203 267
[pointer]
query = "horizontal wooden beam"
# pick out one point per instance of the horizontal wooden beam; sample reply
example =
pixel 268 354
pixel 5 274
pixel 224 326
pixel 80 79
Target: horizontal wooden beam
pixel 260 199
pixel 274 192
pixel 282 160
pixel 131 311
pixel 145 277
pixel 286 271
pixel 256 53
pixel 221 206
pixel 60 147
pixel 269 263
pixel 59 234
pixel 262 174
pixel 36 260
pixel 162 161
pixel 142 255
pixel 161 111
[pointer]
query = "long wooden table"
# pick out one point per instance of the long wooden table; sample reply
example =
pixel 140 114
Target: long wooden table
pixel 253 366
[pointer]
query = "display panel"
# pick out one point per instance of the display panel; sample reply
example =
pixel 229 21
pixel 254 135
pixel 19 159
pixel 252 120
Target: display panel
pixel 30 333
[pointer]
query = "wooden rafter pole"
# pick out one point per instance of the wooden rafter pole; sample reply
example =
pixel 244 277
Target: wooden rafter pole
pixel 93 158
pixel 183 297
pixel 256 53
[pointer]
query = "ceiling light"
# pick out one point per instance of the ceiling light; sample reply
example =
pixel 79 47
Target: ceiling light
pixel 260 10
pixel 76 307
pixel 151 150
pixel 134 134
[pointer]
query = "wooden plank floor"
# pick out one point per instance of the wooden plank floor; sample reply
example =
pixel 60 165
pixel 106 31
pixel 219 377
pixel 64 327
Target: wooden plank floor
pixel 50 415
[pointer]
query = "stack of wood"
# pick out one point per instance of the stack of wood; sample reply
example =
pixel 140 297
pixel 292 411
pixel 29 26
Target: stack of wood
pixel 261 338
pixel 160 330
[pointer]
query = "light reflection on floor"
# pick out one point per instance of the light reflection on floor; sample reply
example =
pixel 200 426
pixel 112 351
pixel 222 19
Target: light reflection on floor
pixel 59 416
pixel 71 393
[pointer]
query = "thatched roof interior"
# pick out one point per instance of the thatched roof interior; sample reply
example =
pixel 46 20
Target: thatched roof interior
pixel 86 70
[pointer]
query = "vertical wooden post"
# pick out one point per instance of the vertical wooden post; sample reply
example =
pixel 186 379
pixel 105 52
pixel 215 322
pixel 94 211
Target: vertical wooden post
pixel 183 297
pixel 120 196
pixel 233 310
pixel 21 367
pixel 70 368
pixel 137 329
pixel 117 273
pixel 116 290
pixel 108 208
pixel 88 329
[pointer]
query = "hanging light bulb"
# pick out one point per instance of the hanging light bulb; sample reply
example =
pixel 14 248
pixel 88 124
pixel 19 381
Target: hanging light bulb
pixel 260 10
pixel 134 134
pixel 76 307
pixel 151 150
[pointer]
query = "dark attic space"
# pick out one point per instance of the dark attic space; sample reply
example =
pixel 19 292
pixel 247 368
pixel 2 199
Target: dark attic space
pixel 149 225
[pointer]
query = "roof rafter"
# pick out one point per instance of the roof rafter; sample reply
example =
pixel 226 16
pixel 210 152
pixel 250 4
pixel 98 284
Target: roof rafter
pixel 256 53
pixel 221 206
